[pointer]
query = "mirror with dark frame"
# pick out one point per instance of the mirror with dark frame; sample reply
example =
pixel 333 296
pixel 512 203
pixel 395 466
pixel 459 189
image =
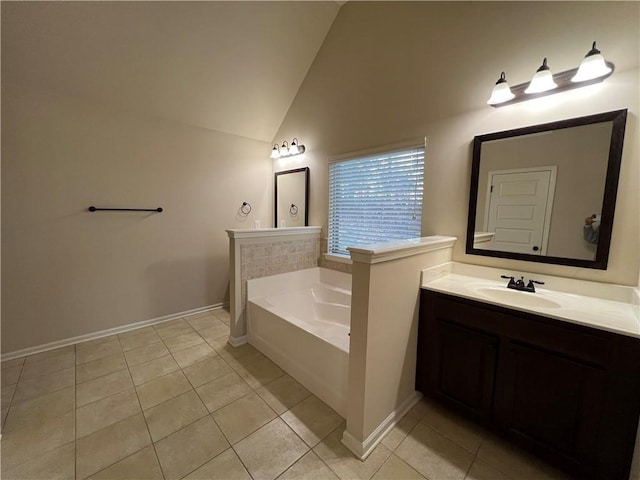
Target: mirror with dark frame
pixel 292 198
pixel 547 193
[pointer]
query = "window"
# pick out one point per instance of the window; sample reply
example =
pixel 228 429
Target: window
pixel 375 198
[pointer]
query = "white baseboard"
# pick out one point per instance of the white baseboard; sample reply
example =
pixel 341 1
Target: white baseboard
pixel 363 449
pixel 237 341
pixel 105 333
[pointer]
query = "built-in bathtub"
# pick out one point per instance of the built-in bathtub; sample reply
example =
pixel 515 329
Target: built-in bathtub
pixel 300 320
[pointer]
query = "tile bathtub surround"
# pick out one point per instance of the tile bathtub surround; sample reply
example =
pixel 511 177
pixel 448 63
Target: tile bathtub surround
pixel 272 258
pixel 164 407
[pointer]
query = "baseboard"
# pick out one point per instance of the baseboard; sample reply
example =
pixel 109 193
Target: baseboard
pixel 363 449
pixel 237 341
pixel 106 333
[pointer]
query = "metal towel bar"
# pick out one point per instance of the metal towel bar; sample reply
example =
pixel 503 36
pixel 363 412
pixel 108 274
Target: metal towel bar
pixel 96 209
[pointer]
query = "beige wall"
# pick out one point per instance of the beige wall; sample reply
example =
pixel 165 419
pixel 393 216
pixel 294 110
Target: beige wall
pixel 67 272
pixel 389 71
pixel 581 156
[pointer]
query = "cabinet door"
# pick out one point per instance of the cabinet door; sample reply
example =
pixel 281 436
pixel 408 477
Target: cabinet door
pixel 552 401
pixel 463 367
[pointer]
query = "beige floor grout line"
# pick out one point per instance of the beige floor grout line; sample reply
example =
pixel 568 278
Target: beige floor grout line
pixel 47 393
pixel 218 425
pixel 194 389
pixel 122 459
pixel 75 407
pixel 13 396
pixel 104 374
pixel 144 418
pixel 210 414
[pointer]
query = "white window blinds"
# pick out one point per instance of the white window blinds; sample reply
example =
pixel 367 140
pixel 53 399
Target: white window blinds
pixel 376 198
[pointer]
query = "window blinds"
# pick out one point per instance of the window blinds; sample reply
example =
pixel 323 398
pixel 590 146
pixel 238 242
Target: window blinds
pixel 375 199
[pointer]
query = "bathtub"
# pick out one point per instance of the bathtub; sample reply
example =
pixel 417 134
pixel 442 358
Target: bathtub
pixel 300 320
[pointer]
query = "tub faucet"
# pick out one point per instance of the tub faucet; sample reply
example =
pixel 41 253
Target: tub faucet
pixel 519 284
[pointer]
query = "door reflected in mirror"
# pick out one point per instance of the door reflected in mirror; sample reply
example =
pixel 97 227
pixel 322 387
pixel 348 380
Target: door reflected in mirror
pixel 546 193
pixel 292 198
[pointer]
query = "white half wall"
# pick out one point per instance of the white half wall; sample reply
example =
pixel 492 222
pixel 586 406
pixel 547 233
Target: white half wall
pixel 384 328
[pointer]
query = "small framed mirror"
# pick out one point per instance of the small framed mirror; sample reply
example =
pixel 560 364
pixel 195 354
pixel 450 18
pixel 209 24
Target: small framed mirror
pixel 547 193
pixel 292 198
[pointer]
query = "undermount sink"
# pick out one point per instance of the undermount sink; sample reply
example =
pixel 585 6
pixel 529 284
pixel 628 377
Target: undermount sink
pixel 514 297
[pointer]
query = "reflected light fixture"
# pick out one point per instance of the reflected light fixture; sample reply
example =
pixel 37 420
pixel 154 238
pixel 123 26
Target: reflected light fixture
pixel 593 69
pixel 542 81
pixel 287 150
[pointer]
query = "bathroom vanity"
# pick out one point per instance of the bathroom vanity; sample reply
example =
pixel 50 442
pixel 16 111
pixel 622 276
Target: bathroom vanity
pixel 539 368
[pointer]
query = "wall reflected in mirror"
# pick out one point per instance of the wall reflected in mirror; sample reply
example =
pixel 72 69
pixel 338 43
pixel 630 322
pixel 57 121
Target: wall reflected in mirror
pixel 292 198
pixel 546 193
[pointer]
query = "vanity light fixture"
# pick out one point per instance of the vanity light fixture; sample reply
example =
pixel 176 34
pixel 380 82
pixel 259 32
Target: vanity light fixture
pixel 593 69
pixel 287 150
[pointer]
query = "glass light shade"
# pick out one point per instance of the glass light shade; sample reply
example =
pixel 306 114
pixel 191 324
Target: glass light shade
pixel 275 153
pixel 593 66
pixel 542 81
pixel 284 149
pixel 293 149
pixel 501 92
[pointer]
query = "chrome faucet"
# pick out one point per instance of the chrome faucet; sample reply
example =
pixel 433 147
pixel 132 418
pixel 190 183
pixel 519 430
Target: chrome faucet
pixel 519 284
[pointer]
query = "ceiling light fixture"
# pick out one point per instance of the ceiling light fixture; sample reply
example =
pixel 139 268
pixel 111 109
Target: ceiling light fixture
pixel 593 69
pixel 287 150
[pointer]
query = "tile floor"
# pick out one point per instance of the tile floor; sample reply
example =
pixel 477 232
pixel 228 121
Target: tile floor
pixel 175 401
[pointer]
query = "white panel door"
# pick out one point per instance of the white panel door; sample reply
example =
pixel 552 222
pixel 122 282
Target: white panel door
pixel 519 209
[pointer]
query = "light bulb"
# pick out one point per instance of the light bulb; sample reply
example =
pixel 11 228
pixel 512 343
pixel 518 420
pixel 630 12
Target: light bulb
pixel 542 81
pixel 501 92
pixel 293 149
pixel 593 66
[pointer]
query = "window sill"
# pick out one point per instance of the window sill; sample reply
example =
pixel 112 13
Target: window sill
pixel 332 257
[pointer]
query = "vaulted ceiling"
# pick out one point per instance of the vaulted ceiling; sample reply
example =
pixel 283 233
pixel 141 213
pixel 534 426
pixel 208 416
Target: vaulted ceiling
pixel 234 67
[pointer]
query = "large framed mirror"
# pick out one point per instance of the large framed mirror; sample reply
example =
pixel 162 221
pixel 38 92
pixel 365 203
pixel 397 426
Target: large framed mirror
pixel 292 198
pixel 547 193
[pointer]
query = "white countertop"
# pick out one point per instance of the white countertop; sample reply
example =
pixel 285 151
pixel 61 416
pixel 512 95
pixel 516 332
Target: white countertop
pixel 618 312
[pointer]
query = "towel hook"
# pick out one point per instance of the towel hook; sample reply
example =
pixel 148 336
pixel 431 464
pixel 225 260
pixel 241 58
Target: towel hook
pixel 245 208
pixel 293 210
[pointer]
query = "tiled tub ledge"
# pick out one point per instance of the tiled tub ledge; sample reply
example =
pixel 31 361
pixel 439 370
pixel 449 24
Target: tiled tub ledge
pixel 271 232
pixel 384 252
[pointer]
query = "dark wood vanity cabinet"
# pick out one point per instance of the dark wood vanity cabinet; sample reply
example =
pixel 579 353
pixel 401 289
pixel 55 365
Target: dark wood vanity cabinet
pixel 567 392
